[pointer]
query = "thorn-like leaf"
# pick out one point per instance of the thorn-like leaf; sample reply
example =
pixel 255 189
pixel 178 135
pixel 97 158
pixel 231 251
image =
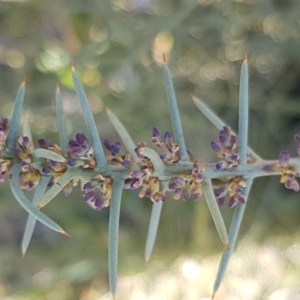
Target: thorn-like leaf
pixel 215 211
pixel 26 204
pixel 113 233
pixel 158 165
pixel 90 122
pixel 123 133
pixel 61 122
pixel 243 114
pixel 15 118
pixel 38 193
pixel 175 117
pixel 233 233
pixel 58 186
pixel 45 153
pixel 216 121
pixel 154 222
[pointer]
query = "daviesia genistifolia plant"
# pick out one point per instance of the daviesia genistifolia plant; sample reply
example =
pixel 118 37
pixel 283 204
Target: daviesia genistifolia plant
pixel 103 169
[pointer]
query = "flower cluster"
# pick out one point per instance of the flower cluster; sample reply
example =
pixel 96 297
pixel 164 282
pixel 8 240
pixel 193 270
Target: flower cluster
pixel 116 158
pixel 169 148
pixel 29 176
pixel 234 188
pixel 226 147
pixel 97 191
pixel 81 153
pixel 188 186
pixel 288 175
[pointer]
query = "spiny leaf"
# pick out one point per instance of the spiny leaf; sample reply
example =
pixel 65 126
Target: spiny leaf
pixel 155 159
pixel 45 153
pixel 26 204
pixel 175 117
pixel 215 211
pixel 243 113
pixel 58 186
pixel 154 222
pixel 123 133
pixel 61 122
pixel 113 233
pixel 38 193
pixel 90 122
pixel 15 118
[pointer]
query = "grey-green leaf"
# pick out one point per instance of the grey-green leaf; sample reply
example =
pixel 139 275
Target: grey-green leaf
pixel 123 133
pixel 38 193
pixel 26 204
pixel 215 211
pixel 113 233
pixel 90 122
pixel 58 186
pixel 45 153
pixel 15 118
pixel 175 117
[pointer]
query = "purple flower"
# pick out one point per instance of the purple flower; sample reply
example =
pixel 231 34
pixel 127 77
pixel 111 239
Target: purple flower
pixel 170 149
pixel 79 146
pixel 98 191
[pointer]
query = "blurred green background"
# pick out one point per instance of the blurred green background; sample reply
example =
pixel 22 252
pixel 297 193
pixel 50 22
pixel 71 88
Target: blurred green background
pixel 117 47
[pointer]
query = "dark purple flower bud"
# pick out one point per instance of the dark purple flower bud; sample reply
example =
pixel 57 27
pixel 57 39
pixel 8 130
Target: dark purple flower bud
pixel 155 132
pixel 107 144
pixel 179 181
pixel 292 184
pixel 81 138
pixel 221 201
pixel 232 202
pixel 4 124
pixel 220 192
pixel 283 158
pixel 220 165
pixel 186 195
pixel 126 164
pixel 88 185
pixel 45 170
pixel 163 155
pixel 99 202
pixel 71 162
pixel 216 146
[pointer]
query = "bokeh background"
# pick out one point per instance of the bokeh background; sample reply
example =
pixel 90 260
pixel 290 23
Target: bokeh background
pixel 117 46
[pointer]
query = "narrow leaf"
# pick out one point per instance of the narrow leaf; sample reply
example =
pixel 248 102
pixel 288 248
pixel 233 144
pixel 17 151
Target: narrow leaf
pixel 123 133
pixel 154 222
pixel 61 122
pixel 218 123
pixel 26 204
pixel 45 153
pixel 15 118
pixel 38 193
pixel 113 233
pixel 158 165
pixel 89 121
pixel 215 211
pixel 175 117
pixel 243 113
pixel 233 233
pixel 58 186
